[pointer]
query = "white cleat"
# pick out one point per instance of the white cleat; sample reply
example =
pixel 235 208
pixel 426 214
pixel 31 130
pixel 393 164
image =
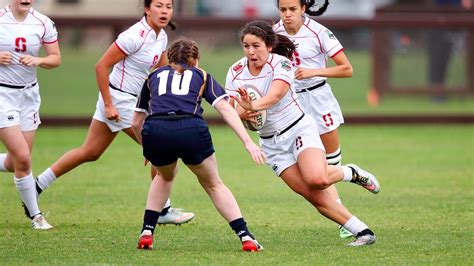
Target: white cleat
pixel 175 216
pixel 40 223
pixel 364 179
pixel 364 240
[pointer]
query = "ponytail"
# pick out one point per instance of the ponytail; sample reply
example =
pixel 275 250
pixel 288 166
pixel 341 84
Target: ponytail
pixel 319 12
pixel 285 47
pixel 308 4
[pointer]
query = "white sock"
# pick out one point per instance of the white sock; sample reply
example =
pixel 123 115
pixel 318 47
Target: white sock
pixel 334 158
pixel 46 178
pixel 27 188
pixel 355 226
pixel 3 158
pixel 167 204
pixel 347 173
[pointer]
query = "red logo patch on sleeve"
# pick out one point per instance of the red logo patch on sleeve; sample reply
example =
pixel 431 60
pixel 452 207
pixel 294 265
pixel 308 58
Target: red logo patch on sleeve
pixel 238 67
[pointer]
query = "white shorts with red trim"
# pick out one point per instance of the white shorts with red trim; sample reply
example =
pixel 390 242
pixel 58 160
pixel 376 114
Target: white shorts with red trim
pixel 282 150
pixel 322 106
pixel 125 105
pixel 20 107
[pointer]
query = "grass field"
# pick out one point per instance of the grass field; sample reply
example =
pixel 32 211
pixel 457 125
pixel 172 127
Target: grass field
pixel 71 89
pixel 423 214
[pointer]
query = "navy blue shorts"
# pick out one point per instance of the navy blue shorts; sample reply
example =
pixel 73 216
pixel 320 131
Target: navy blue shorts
pixel 166 140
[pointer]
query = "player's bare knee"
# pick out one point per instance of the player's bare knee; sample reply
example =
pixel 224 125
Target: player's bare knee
pixel 90 155
pixel 22 162
pixel 319 182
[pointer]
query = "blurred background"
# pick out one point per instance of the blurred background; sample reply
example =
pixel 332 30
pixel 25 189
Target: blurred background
pixel 410 58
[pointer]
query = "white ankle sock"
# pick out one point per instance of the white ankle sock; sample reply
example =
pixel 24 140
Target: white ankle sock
pixel 46 178
pixel 27 188
pixel 355 226
pixel 3 157
pixel 347 173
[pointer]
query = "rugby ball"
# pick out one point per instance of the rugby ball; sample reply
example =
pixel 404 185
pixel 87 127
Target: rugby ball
pixel 262 117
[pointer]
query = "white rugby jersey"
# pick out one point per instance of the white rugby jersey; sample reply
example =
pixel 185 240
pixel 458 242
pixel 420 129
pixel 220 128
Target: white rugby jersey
pixel 23 38
pixel 283 113
pixel 314 45
pixel 143 49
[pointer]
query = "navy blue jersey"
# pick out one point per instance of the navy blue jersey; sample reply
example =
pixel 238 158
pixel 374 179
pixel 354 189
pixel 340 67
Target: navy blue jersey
pixel 167 91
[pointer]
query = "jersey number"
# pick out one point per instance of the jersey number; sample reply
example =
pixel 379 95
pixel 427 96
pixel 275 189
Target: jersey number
pixel 295 58
pixel 20 45
pixel 180 85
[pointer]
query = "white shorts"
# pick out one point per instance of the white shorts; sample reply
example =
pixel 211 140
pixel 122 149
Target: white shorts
pixel 124 103
pixel 20 107
pixel 323 107
pixel 282 150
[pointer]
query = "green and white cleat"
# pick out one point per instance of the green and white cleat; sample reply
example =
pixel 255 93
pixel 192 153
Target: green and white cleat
pixel 344 233
pixel 175 216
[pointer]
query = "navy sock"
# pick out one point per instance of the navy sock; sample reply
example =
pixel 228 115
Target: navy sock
pixel 149 220
pixel 165 211
pixel 38 188
pixel 365 232
pixel 240 228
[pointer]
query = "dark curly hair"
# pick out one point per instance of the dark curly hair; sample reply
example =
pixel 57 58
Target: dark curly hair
pixel 309 4
pixel 280 44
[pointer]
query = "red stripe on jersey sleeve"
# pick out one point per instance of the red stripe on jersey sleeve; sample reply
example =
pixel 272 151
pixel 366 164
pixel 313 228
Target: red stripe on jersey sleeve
pixel 51 42
pixel 342 49
pixel 121 50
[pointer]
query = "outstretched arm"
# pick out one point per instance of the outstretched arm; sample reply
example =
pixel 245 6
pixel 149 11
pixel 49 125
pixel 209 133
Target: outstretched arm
pixel 232 119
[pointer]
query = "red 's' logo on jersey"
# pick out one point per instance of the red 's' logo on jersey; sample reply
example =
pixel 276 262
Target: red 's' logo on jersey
pixel 20 45
pixel 238 67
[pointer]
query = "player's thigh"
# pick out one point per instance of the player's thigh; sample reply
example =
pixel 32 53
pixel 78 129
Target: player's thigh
pixel 98 138
pixel 168 172
pixel 14 141
pixel 206 172
pixel 312 164
pixel 293 178
pixel 29 138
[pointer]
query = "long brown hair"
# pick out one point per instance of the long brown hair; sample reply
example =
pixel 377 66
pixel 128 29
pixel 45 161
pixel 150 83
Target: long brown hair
pixel 280 44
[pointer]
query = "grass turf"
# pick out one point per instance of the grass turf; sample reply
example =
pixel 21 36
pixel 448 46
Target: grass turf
pixel 423 214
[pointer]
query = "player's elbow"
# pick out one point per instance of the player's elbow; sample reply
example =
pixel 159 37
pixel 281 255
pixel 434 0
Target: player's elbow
pixel 348 71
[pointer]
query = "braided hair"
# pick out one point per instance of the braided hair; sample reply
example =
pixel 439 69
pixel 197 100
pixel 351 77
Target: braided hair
pixel 280 44
pixel 310 3
pixel 182 52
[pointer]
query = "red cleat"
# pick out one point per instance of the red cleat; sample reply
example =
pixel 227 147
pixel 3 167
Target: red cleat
pixel 250 244
pixel 146 240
